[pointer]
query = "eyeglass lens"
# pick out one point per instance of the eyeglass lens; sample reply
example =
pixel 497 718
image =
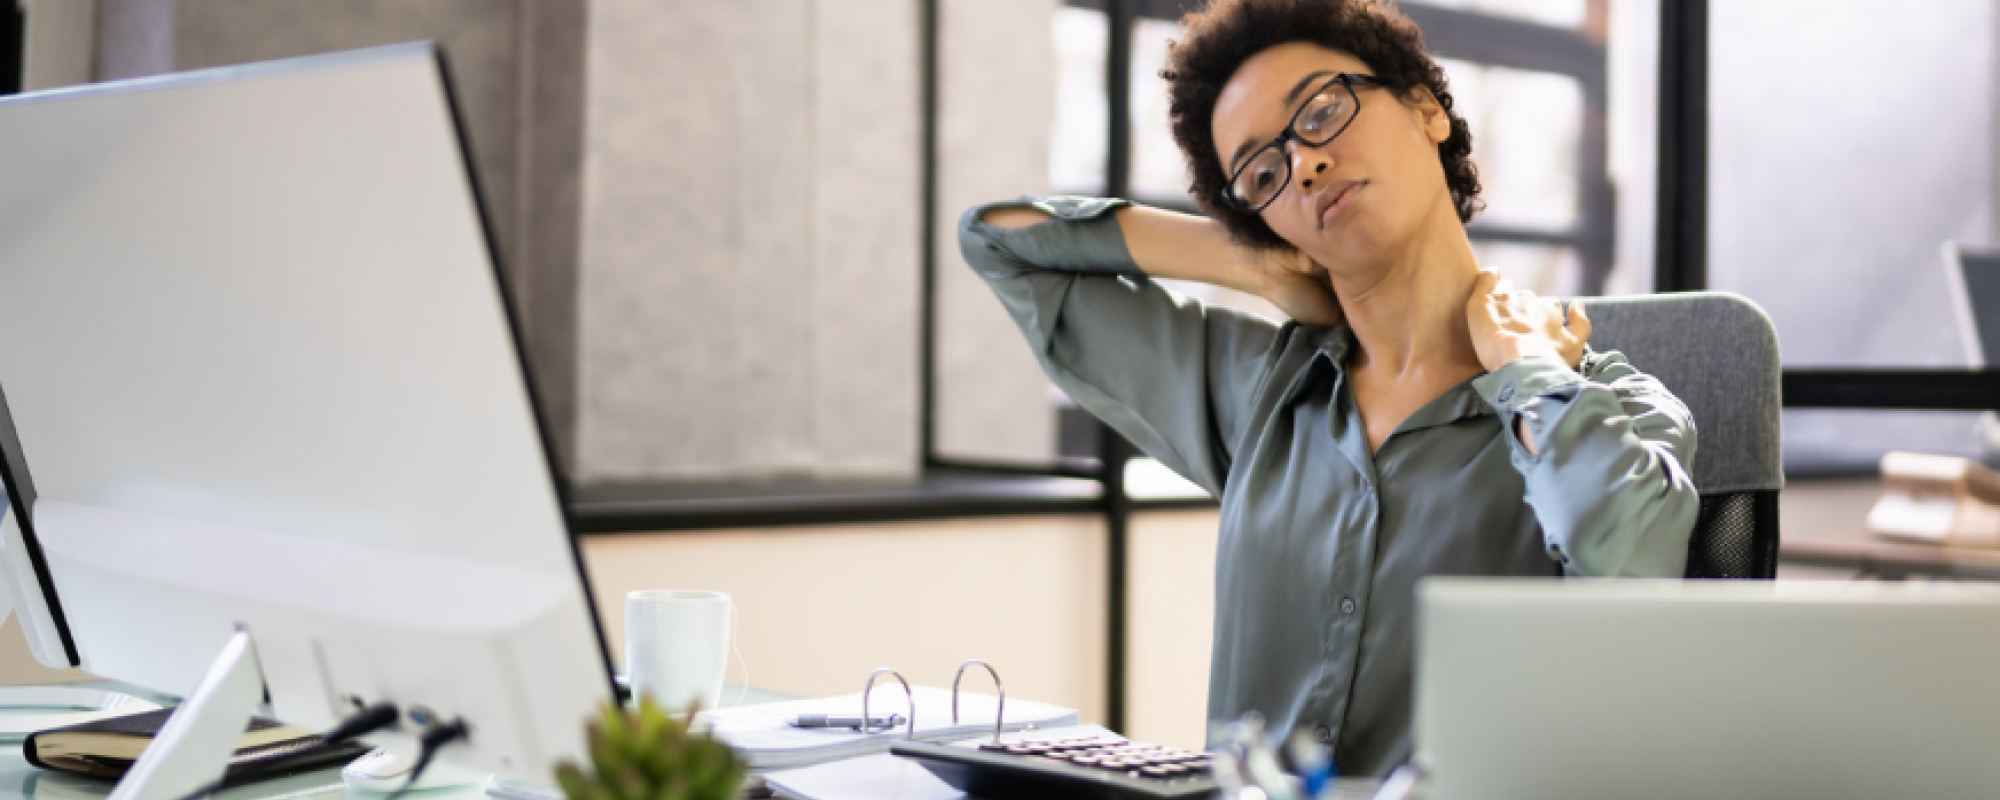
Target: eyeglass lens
pixel 1318 120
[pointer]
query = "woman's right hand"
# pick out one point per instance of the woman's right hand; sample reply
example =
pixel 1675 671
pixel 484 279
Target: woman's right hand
pixel 1298 286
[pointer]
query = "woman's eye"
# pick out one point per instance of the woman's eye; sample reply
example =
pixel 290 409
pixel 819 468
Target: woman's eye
pixel 1319 115
pixel 1263 177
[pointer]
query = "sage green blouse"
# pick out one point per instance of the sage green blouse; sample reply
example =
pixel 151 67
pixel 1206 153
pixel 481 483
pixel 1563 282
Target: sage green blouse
pixel 1321 542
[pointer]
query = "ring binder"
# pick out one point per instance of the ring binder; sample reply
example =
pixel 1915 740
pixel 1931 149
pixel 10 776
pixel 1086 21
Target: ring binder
pixel 999 712
pixel 907 694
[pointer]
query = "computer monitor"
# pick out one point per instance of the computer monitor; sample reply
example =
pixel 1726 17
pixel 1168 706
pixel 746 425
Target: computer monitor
pixel 1973 277
pixel 257 352
pixel 30 591
pixel 1567 690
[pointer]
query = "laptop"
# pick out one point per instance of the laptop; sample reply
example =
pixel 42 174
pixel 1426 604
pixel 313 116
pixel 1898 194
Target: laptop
pixel 1560 690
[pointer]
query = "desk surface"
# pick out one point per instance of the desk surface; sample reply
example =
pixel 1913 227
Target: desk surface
pixel 20 780
pixel 1824 526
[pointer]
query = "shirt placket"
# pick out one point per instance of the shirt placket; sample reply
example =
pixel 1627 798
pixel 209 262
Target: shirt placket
pixel 1352 570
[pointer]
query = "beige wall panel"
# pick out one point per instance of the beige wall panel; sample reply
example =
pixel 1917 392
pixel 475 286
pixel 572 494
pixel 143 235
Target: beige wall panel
pixel 820 607
pixel 996 106
pixel 1173 614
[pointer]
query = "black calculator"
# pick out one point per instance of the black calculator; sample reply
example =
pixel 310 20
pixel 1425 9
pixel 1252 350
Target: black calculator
pixel 1086 767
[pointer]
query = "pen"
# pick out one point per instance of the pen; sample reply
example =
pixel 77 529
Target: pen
pixel 828 721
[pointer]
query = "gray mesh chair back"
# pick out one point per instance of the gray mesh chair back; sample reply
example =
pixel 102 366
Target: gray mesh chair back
pixel 1719 354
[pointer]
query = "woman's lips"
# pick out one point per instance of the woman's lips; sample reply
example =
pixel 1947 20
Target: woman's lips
pixel 1343 196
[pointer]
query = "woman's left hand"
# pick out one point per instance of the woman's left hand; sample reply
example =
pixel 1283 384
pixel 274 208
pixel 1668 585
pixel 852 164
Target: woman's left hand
pixel 1509 323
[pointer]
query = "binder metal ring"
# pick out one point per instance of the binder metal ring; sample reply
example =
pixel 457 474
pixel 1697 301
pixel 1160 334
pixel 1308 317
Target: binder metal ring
pixel 999 714
pixel 912 697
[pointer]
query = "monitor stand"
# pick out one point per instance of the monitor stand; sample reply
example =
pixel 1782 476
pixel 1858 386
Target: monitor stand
pixel 26 709
pixel 193 748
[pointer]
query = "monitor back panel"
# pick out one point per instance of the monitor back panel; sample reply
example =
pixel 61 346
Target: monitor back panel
pixel 259 302
pixel 1712 690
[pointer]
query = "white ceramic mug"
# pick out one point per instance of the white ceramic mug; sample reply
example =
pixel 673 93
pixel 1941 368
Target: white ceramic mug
pixel 677 645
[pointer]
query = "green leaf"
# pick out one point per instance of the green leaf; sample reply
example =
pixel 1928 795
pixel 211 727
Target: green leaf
pixel 574 784
pixel 603 757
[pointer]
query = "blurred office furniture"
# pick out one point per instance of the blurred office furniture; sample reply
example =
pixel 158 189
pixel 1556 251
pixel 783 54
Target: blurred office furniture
pixel 1828 538
pixel 1937 500
pixel 1718 353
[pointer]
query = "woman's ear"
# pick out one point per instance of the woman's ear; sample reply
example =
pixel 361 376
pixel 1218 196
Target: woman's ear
pixel 1437 123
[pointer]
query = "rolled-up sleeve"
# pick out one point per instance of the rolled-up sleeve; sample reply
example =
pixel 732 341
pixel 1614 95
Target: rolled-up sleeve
pixel 1608 482
pixel 1169 373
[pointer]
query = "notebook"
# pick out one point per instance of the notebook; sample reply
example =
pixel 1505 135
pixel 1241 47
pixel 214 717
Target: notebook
pixel 762 734
pixel 106 748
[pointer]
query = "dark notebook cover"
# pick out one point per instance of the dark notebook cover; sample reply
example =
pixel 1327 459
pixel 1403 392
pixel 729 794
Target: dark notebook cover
pixel 91 748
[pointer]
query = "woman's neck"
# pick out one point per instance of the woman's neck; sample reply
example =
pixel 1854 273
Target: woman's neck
pixel 1408 310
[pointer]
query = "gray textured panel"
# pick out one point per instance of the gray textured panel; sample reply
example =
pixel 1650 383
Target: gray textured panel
pixel 750 244
pixel 135 38
pixel 550 213
pixel 771 178
pixel 996 107
pixel 1719 354
pixel 867 213
pixel 657 270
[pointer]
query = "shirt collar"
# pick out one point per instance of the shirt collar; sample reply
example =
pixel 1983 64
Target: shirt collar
pixel 1335 343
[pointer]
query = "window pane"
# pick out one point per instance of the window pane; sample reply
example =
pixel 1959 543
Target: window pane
pixel 1527 132
pixel 1544 269
pixel 1076 143
pixel 1159 173
pixel 1562 13
pixel 1830 200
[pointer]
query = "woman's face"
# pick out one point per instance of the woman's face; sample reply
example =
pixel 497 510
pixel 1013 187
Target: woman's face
pixel 1372 187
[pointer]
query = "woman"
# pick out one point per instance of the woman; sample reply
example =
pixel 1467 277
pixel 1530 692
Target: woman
pixel 1418 417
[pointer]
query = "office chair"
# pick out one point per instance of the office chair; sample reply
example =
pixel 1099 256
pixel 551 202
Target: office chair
pixel 1719 353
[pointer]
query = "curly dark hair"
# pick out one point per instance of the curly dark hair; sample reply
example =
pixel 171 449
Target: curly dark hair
pixel 1219 38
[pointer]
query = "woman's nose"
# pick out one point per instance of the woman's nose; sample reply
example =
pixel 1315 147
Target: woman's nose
pixel 1310 169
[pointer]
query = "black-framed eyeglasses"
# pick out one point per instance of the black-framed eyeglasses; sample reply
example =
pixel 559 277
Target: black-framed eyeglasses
pixel 1324 115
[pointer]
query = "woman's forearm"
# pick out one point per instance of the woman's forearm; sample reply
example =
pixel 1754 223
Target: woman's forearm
pixel 1169 244
pixel 1165 244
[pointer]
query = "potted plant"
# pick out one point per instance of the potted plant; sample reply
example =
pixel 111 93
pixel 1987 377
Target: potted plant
pixel 647 754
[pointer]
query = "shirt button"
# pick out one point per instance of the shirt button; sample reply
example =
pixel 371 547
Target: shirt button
pixel 1324 733
pixel 1347 605
pixel 1505 394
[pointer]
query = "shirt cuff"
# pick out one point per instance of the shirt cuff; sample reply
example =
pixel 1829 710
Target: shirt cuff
pixel 1516 391
pixel 1088 240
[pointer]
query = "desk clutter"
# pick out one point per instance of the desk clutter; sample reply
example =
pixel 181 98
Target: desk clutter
pixel 1937 500
pixel 951 744
pixel 107 748
pixel 937 744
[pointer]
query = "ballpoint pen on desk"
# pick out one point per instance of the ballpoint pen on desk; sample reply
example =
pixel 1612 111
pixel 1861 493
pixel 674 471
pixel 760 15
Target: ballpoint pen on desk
pixel 853 723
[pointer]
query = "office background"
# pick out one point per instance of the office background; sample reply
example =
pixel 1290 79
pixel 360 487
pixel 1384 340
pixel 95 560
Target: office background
pixel 729 231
